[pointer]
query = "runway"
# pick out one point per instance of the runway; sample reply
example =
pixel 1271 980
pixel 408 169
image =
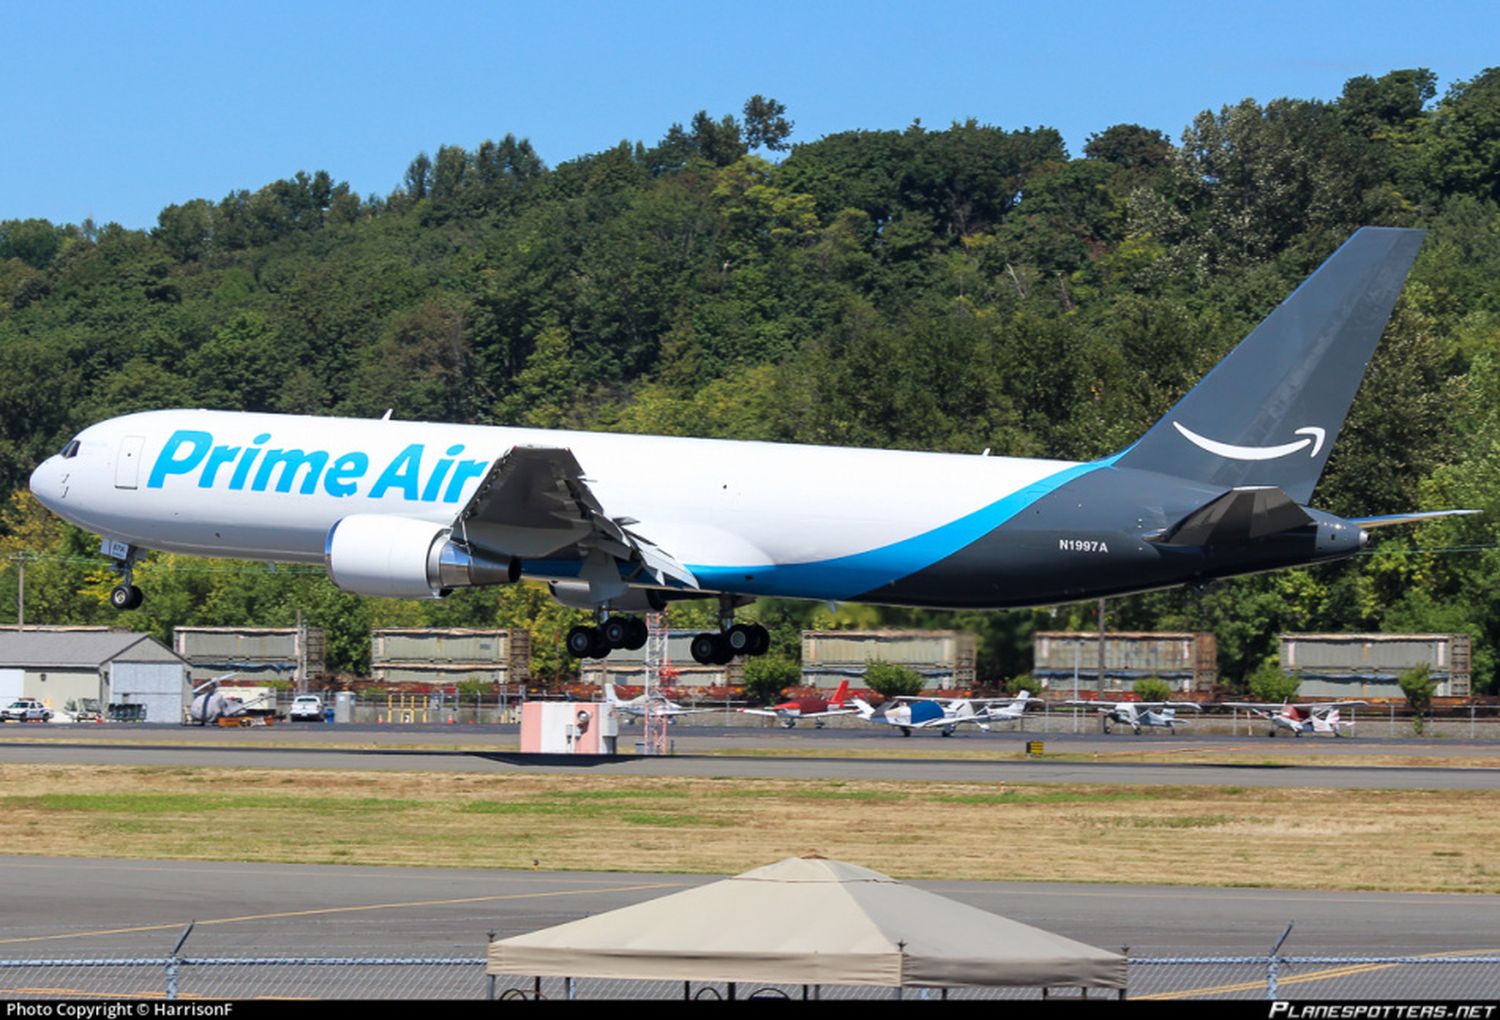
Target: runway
pixel 80 907
pixel 227 750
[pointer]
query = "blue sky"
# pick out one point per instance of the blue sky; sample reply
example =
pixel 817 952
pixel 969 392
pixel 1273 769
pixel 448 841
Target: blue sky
pixel 114 110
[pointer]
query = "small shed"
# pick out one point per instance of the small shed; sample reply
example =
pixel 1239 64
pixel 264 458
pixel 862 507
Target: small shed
pixel 809 921
pixel 113 667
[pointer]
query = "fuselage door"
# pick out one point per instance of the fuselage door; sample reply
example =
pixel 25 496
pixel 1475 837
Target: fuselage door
pixel 128 466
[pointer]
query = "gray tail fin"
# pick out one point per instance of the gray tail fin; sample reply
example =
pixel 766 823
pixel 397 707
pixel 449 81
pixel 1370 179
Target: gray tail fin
pixel 1269 412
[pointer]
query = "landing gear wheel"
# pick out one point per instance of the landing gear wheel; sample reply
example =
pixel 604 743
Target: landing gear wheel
pixel 616 631
pixel 705 648
pixel 723 654
pixel 126 596
pixel 1105 724
pixel 741 639
pixel 581 642
pixel 762 643
pixel 637 637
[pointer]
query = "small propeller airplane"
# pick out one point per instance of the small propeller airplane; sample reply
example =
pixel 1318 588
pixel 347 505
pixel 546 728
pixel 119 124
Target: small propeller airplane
pixel 636 708
pixel 945 714
pixel 818 710
pixel 1312 717
pixel 1136 714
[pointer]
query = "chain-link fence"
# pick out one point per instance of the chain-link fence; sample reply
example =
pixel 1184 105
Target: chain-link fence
pixel 1438 976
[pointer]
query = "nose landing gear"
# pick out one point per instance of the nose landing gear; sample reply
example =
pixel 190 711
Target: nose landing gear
pixel 124 595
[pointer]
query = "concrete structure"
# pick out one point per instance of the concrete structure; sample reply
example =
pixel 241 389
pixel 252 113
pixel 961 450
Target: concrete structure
pixel 628 668
pixel 254 654
pixel 1367 665
pixel 1187 661
pixel 943 658
pixel 58 665
pixel 447 656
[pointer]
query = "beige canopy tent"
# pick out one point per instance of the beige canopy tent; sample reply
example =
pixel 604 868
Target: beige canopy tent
pixel 809 921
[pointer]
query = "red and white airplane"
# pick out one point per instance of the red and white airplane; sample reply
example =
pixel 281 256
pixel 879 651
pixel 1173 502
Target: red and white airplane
pixel 1314 717
pixel 789 712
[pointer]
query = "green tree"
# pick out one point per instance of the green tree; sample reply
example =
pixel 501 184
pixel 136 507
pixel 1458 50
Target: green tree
pixel 1419 686
pixel 890 680
pixel 1271 683
pixel 1153 688
pixel 767 676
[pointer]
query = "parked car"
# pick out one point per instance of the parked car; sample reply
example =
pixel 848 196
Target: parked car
pixel 307 707
pixel 26 710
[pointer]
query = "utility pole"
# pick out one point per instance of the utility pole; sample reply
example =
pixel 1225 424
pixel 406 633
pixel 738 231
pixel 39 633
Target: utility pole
pixel 21 591
pixel 1101 646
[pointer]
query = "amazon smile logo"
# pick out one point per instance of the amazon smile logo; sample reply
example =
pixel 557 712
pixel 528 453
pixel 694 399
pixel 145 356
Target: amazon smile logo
pixel 1315 437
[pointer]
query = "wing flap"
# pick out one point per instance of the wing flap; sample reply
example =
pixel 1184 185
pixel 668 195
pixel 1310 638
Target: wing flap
pixel 534 502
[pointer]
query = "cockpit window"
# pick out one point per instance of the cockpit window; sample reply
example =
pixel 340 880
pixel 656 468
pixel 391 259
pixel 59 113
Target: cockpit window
pixel 70 451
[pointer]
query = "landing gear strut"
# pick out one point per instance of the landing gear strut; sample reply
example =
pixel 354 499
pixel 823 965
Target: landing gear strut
pixel 124 595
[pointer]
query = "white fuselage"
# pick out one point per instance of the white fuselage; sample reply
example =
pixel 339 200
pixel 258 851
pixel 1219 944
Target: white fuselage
pixel 269 487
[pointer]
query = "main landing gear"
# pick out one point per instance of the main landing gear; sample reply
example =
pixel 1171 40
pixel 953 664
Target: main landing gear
pixel 709 648
pixel 717 649
pixel 612 632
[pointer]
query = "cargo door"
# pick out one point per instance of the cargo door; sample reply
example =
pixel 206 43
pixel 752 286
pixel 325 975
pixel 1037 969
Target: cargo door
pixel 128 466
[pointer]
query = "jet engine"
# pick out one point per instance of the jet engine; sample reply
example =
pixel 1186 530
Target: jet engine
pixel 399 557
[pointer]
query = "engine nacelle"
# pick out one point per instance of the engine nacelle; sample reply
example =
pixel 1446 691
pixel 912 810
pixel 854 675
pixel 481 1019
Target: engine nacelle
pixel 399 557
pixel 575 595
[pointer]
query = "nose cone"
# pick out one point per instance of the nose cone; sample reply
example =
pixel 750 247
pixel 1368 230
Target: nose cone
pixel 47 483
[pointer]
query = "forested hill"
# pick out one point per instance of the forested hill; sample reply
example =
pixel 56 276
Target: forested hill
pixel 939 289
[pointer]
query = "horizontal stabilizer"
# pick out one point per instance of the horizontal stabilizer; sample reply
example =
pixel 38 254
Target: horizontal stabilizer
pixel 1384 522
pixel 1237 516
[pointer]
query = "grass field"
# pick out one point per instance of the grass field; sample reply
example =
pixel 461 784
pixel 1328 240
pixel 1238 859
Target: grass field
pixel 1431 841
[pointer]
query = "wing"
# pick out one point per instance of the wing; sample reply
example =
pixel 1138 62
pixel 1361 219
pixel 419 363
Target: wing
pixel 535 503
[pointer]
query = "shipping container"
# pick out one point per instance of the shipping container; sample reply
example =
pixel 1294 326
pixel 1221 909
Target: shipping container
pixel 1186 660
pixel 446 656
pixel 252 653
pixel 943 658
pixel 1368 665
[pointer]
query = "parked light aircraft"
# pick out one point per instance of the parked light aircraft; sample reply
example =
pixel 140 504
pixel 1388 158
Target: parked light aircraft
pixel 1311 717
pixel 1218 487
pixel 944 714
pixel 1136 714
pixel 636 708
pixel 789 713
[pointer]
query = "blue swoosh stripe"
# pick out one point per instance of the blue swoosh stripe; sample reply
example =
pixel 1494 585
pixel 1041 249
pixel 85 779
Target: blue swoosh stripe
pixel 848 576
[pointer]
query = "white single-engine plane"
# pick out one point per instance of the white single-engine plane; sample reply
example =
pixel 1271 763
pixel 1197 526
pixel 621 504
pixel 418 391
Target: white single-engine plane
pixel 1320 717
pixel 1138 714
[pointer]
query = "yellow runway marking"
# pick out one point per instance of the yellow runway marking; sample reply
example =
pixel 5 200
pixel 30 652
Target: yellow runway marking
pixel 174 925
pixel 1301 979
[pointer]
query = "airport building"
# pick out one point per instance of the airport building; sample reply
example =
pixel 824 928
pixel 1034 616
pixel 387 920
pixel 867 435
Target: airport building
pixel 125 675
pixel 1188 661
pixel 447 656
pixel 253 654
pixel 1368 665
pixel 943 658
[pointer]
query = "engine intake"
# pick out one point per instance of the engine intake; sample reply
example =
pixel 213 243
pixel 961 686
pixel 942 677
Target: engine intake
pixel 399 557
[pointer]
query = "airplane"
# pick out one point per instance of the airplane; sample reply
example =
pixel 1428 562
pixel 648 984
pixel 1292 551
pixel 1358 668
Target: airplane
pixel 788 713
pixel 1312 717
pixel 1136 714
pixel 636 708
pixel 946 714
pixel 1218 487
